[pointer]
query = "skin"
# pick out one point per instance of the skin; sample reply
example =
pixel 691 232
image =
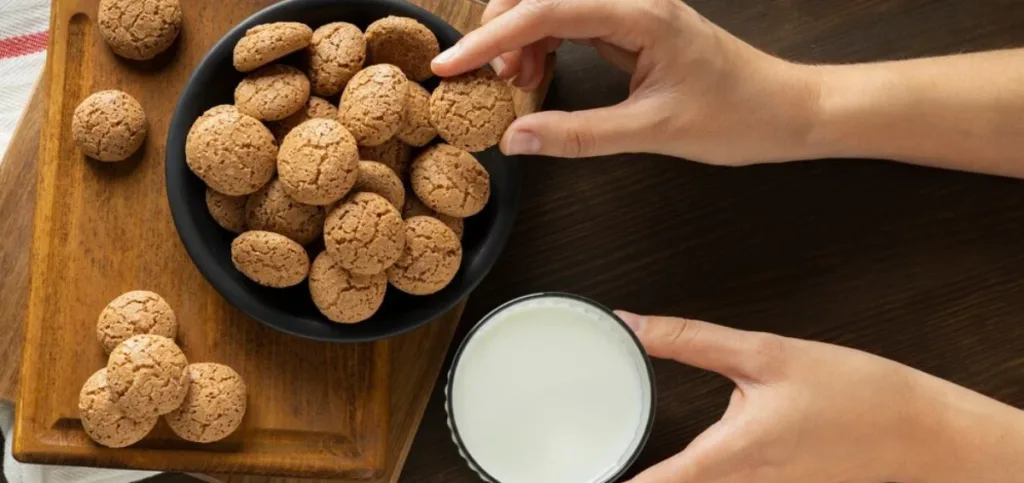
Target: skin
pixel 801 411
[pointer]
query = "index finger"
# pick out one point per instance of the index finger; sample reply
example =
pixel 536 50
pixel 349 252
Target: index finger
pixel 533 20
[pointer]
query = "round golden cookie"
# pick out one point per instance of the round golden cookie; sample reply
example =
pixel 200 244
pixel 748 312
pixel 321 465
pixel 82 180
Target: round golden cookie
pixel 364 234
pixel 146 374
pixel 336 53
pixel 109 126
pixel 228 211
pixel 416 129
pixel 139 30
pixel 377 178
pixel 270 259
pixel 373 103
pixel 393 153
pixel 430 260
pixel 318 162
pixel 343 296
pixel 472 111
pixel 134 313
pixel 316 108
pixel 214 406
pixel 273 92
pixel 403 42
pixel 450 181
pixel 103 421
pixel 231 152
pixel 272 209
pixel 266 43
pixel 415 207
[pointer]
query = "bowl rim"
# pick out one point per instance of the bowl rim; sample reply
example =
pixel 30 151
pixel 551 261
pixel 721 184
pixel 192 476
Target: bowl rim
pixel 204 260
pixel 450 382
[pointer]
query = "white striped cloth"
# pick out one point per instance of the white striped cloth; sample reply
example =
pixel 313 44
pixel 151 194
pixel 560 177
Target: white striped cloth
pixel 23 36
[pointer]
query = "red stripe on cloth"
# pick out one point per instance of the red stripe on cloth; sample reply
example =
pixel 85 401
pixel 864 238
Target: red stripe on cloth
pixel 23 45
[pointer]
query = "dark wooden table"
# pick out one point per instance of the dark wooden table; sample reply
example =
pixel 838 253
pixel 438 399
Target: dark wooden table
pixel 922 266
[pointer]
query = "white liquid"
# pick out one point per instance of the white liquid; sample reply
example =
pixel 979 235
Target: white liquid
pixel 551 390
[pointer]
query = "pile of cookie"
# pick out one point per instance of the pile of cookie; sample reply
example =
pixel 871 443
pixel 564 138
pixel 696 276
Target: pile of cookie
pixel 285 167
pixel 148 376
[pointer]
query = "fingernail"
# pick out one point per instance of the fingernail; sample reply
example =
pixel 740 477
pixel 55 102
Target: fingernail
pixel 498 64
pixel 447 55
pixel 523 142
pixel 635 322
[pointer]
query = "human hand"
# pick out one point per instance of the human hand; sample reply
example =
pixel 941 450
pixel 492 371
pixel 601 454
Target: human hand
pixel 808 411
pixel 696 91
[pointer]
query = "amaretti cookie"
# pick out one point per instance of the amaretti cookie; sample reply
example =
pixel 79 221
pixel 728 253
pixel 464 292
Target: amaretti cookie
pixel 373 103
pixel 109 126
pixel 377 178
pixel 450 181
pixel 472 111
pixel 415 207
pixel 134 313
pixel 318 162
pixel 343 296
pixel 139 30
pixel 430 259
pixel 103 421
pixel 270 259
pixel 273 92
pixel 393 153
pixel 364 234
pixel 336 53
pixel 416 129
pixel 272 209
pixel 266 43
pixel 214 406
pixel 233 153
pixel 146 374
pixel 228 211
pixel 316 108
pixel 403 42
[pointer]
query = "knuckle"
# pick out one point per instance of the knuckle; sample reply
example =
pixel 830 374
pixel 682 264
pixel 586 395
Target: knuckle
pixel 540 6
pixel 579 140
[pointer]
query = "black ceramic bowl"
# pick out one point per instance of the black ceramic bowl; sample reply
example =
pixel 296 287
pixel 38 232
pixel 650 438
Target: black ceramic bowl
pixel 291 310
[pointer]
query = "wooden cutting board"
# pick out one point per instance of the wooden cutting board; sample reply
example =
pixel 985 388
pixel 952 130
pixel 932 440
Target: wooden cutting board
pixel 316 409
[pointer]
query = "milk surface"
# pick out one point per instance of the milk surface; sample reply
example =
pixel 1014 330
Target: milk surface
pixel 551 390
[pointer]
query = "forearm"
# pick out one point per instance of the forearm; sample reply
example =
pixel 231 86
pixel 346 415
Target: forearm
pixel 963 112
pixel 965 436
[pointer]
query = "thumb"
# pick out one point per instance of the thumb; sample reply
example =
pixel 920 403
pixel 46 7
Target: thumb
pixel 736 354
pixel 578 134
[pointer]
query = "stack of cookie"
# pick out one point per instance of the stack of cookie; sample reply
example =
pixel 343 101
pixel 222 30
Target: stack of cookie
pixel 286 167
pixel 148 376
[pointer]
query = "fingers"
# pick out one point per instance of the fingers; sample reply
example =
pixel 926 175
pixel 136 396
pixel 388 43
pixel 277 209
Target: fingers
pixel 617 56
pixel 506 65
pixel 594 132
pixel 533 20
pixel 737 354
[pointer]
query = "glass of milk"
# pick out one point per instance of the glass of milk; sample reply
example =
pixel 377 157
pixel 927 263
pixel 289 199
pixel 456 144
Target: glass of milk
pixel 550 387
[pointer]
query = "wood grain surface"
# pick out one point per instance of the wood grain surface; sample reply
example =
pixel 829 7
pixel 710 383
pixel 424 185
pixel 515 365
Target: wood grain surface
pixel 319 409
pixel 918 265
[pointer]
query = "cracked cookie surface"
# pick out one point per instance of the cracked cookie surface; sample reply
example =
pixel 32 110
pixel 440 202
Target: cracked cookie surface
pixel 139 29
pixel 393 153
pixel 364 234
pixel 266 43
pixel 134 313
pixel 146 375
pixel 231 152
pixel 318 162
pixel 214 406
pixel 228 211
pixel 373 103
pixel 450 181
pixel 472 111
pixel 109 126
pixel 336 53
pixel 103 422
pixel 403 42
pixel 270 259
pixel 272 209
pixel 415 207
pixel 430 260
pixel 273 92
pixel 416 129
pixel 315 108
pixel 343 296
pixel 377 178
